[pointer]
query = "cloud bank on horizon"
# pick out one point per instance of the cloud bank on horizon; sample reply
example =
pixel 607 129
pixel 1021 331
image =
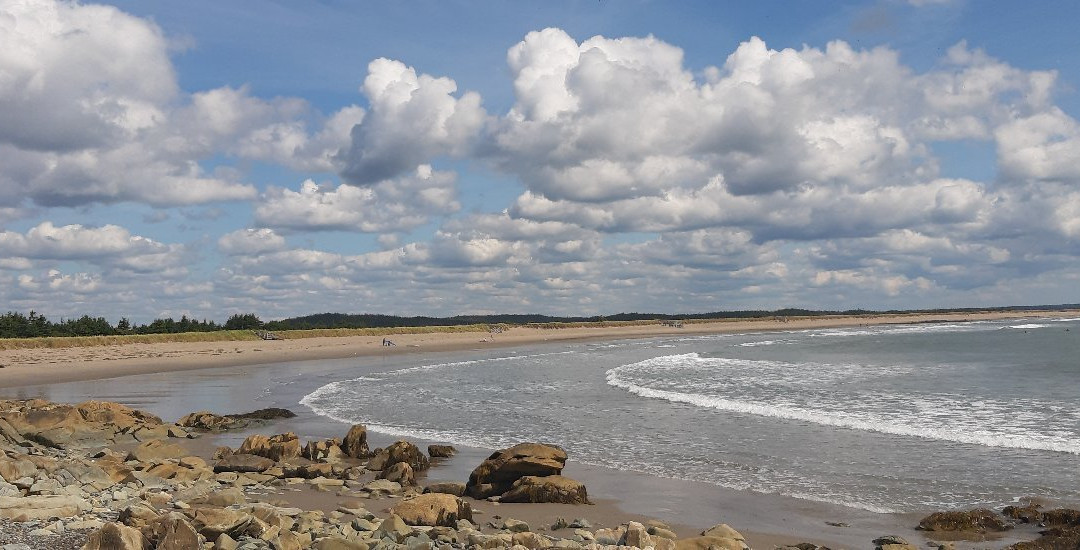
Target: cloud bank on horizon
pixel 812 177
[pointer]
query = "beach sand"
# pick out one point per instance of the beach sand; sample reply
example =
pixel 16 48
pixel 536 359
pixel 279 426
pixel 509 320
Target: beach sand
pixel 171 379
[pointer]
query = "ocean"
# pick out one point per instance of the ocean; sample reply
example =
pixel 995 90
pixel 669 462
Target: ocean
pixel 897 418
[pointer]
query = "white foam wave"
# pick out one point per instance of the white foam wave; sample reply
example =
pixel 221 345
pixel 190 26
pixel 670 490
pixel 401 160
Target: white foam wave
pixel 1028 326
pixel 763 343
pixel 434 366
pixel 841 419
pixel 1070 319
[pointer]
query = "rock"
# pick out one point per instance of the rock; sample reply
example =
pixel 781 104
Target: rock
pixel 173 532
pixel 286 540
pixel 328 450
pixel 580 523
pixel 723 530
pixel 277 447
pixel 1061 517
pixel 663 533
pixel 394 528
pixel 433 509
pixel 41 507
pixel 223 498
pixel 636 535
pixel 707 543
pixel 309 470
pixel 205 420
pixel 138 514
pixel 243 463
pixel 499 471
pixel 893 542
pixel 978 520
pixel 441 451
pixel 400 472
pixel 11 470
pixel 559 523
pixel 554 488
pixel 335 543
pixel 355 443
pixel 211 522
pixel 403 451
pixel 530 540
pixel 383 486
pixel 113 536
pixel 224 542
pixel 514 525
pixel 156 450
pixel 455 488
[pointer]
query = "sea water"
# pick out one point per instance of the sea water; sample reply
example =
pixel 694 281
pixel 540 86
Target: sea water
pixel 898 418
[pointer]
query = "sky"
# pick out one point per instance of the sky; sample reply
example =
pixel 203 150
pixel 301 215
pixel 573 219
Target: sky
pixel 206 158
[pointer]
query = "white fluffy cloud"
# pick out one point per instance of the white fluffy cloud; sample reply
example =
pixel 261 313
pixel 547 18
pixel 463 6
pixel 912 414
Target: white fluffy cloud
pixel 108 246
pixel 412 119
pixel 396 204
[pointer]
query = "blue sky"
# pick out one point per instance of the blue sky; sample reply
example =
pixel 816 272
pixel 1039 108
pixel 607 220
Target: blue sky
pixel 209 158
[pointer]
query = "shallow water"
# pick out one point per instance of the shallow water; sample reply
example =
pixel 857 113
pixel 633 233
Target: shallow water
pixel 888 419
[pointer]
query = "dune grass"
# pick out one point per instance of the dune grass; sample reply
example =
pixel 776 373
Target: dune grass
pixel 121 339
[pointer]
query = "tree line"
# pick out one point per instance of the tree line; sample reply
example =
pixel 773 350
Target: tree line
pixel 35 325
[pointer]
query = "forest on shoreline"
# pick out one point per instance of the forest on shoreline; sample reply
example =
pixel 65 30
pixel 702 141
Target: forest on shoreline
pixel 34 325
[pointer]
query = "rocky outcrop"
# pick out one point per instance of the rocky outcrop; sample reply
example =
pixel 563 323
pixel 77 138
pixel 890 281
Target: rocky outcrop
pixel 556 489
pixel 400 472
pixel 208 421
pixel 355 443
pixel 441 451
pixel 893 542
pixel 979 520
pixel 433 509
pixel 243 463
pixel 88 424
pixel 527 472
pixel 276 447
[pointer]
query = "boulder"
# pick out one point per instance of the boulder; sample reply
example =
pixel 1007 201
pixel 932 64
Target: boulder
pixel 355 443
pixel 455 488
pixel 433 509
pixel 709 543
pixel 208 421
pixel 400 472
pixel 212 522
pixel 555 488
pixel 328 450
pixel 309 470
pixel 42 507
pixel 723 530
pixel 172 532
pixel 499 471
pixel 243 463
pixel 223 498
pixel 277 447
pixel 337 543
pixel 113 536
pixel 1028 513
pixel 403 451
pixel 636 535
pixel 392 527
pixel 978 520
pixel 893 542
pixel 441 451
pixel 156 450
pixel 11 469
pixel 1060 517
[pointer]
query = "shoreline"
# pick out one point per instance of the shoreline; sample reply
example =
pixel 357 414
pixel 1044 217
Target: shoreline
pixel 40 366
pixel 767 520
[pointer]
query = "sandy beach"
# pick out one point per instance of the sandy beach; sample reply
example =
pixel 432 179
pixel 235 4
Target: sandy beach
pixel 171 379
pixel 45 365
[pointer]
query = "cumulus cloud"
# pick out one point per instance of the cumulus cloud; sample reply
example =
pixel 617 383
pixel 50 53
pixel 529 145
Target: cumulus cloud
pixel 251 242
pixel 90 112
pixel 396 204
pixel 412 119
pixel 109 245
